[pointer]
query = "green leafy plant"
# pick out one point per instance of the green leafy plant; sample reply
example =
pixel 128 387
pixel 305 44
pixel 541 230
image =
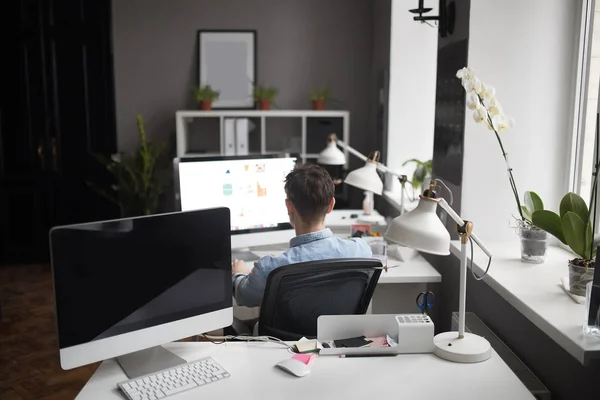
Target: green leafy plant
pixel 205 93
pixel 422 171
pixel 140 177
pixel 264 93
pixel 533 203
pixel 324 95
pixel 574 225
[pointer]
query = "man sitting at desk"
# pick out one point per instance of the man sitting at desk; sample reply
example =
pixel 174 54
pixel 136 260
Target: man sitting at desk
pixel 310 192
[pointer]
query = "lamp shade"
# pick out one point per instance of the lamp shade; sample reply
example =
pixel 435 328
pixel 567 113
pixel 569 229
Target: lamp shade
pixel 332 155
pixel 366 178
pixel 421 229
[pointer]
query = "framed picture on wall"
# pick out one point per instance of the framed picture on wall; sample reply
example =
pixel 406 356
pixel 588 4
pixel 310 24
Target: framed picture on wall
pixel 227 62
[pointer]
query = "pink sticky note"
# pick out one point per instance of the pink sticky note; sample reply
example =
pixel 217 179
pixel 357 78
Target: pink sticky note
pixel 305 358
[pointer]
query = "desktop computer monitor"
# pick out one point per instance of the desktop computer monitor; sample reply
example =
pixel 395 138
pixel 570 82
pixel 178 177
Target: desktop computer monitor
pixel 252 187
pixel 127 285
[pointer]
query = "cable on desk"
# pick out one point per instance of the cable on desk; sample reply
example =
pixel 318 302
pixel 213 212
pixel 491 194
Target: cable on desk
pixel 224 339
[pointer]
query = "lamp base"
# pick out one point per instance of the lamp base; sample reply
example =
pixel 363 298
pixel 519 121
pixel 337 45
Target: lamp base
pixel 370 218
pixel 470 349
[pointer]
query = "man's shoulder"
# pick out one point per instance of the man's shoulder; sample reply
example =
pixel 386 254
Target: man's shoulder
pixel 360 246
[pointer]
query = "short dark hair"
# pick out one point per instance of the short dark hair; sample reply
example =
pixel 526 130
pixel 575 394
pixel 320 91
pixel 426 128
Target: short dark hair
pixel 310 189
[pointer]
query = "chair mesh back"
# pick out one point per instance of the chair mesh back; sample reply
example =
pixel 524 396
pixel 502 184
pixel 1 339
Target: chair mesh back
pixel 297 295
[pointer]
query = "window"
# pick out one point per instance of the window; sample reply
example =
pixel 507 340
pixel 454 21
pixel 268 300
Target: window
pixel 587 100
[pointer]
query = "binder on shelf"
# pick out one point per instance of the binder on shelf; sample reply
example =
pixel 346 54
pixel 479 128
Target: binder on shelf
pixel 242 127
pixel 229 148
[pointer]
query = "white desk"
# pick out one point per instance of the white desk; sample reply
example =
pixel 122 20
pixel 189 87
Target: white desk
pixel 254 376
pixel 535 291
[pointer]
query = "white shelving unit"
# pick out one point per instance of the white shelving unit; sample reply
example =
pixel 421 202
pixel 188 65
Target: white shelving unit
pixel 182 118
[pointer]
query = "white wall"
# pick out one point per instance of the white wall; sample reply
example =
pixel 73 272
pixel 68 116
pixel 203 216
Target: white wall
pixel 527 51
pixel 413 64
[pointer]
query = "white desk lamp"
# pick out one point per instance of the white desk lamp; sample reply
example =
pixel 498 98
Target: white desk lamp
pixel 366 177
pixel 422 230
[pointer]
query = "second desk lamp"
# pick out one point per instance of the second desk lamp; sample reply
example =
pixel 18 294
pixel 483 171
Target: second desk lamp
pixel 366 177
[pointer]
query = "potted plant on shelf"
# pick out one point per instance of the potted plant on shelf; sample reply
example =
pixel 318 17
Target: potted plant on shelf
pixel 575 228
pixel 205 96
pixel 481 99
pixel 534 241
pixel 140 177
pixel 319 98
pixel 422 173
pixel 264 96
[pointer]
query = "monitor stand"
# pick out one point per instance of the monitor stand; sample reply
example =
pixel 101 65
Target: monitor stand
pixel 148 361
pixel 243 254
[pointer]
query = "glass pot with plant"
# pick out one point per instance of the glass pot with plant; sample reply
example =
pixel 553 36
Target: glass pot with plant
pixel 264 96
pixel 575 228
pixel 534 241
pixel 481 99
pixel 422 173
pixel 205 96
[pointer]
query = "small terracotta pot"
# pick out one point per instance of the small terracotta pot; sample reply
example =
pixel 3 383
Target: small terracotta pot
pixel 264 105
pixel 205 105
pixel 318 104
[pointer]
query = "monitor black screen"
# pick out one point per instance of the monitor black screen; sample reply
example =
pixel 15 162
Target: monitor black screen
pixel 115 277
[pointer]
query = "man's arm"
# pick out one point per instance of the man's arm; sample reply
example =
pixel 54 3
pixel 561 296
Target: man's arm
pixel 248 287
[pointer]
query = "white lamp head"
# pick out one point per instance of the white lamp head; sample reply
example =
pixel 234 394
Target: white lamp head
pixel 332 155
pixel 421 229
pixel 366 178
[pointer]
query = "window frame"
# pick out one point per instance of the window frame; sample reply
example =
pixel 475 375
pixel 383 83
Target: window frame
pixel 584 52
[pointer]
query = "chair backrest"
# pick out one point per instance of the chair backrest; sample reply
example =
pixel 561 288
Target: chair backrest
pixel 296 295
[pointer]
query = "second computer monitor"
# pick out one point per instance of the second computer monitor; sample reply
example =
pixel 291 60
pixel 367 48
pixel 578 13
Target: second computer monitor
pixel 252 187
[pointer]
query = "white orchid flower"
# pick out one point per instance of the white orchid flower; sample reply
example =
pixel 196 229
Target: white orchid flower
pixel 501 123
pixel 472 85
pixel 116 157
pixel 480 115
pixel 473 101
pixel 460 74
pixel 494 110
pixel 487 91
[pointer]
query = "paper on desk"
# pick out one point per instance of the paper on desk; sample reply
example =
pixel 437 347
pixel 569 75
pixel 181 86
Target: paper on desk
pixel 305 358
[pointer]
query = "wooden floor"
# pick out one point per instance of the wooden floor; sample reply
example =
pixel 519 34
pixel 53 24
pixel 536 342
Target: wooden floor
pixel 29 367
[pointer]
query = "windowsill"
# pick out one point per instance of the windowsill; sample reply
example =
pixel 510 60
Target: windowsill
pixel 535 291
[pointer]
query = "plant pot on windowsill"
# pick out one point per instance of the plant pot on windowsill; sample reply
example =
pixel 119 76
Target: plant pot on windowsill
pixel 534 243
pixel 264 105
pixel 318 104
pixel 205 105
pixel 581 272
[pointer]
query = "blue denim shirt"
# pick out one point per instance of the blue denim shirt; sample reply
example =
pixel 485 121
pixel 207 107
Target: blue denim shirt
pixel 248 289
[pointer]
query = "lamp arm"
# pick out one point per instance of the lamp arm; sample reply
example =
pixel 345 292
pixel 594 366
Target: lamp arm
pixel 351 150
pixel 459 221
pixel 359 155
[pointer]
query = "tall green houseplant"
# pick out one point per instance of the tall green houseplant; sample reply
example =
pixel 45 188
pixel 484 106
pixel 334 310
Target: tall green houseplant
pixel 139 177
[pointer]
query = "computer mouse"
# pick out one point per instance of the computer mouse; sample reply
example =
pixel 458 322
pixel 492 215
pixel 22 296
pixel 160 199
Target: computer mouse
pixel 294 367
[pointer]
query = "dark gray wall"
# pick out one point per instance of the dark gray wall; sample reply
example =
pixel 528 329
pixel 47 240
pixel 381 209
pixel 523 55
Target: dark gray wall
pixel 302 44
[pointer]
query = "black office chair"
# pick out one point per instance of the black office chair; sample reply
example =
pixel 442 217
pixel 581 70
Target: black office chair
pixel 296 295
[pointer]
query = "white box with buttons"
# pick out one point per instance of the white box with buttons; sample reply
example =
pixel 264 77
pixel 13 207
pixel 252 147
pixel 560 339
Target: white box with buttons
pixel 415 333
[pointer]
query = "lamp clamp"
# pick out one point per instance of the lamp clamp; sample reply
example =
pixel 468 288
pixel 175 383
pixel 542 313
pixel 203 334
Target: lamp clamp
pixel 464 231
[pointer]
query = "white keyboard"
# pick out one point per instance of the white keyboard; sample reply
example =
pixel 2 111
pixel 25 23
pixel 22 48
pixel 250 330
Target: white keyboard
pixel 159 385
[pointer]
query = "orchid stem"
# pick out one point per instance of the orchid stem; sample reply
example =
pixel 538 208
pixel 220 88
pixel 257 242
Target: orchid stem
pixel 511 178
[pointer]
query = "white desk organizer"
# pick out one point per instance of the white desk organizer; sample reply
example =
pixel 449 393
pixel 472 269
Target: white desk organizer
pixel 413 332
